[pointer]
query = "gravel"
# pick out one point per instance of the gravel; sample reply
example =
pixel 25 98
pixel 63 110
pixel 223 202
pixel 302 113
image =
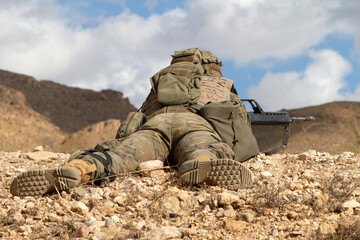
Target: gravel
pixel 312 195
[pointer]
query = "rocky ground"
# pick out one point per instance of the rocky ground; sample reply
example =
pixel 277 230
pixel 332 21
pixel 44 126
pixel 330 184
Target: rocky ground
pixel 311 195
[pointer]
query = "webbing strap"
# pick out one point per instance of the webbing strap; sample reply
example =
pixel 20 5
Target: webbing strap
pixel 107 161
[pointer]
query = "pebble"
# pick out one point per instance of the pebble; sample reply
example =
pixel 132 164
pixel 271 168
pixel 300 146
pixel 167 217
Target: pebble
pixel 120 199
pixel 80 192
pixel 303 156
pixel 79 207
pixel 54 218
pixel 38 148
pixel 247 215
pixel 220 213
pixel 227 198
pixel 109 223
pixel 351 204
pixel 275 232
pixel 99 236
pixel 18 217
pixel 165 232
pixel 235 226
pixel 230 212
pixel 115 218
pixel 152 168
pixel 138 207
pixel 81 229
pixel 99 224
pixel 266 174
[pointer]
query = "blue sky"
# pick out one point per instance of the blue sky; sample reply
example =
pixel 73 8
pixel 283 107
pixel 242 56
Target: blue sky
pixel 286 53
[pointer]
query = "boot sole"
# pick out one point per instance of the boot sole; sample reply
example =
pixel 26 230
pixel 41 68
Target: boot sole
pixel 226 173
pixel 40 182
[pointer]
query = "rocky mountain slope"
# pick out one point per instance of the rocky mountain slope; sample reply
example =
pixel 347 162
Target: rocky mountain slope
pixel 69 108
pixel 312 195
pixel 22 127
pixel 62 118
pixel 336 129
pixel 45 113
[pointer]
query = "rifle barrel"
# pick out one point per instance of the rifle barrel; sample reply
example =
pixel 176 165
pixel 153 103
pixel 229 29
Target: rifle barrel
pixel 307 118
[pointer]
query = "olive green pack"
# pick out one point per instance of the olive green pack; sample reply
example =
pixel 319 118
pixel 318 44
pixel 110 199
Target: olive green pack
pixel 225 118
pixel 179 83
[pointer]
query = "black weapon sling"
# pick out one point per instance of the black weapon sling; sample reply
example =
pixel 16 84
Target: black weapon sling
pixel 106 162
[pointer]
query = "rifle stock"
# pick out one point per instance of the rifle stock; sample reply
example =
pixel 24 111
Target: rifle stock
pixel 260 117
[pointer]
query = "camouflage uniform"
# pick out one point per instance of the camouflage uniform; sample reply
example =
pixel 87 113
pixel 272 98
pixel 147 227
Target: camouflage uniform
pixel 183 136
pixel 174 133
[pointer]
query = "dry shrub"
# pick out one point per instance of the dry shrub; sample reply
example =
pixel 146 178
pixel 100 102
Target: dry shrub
pixel 338 190
pixel 345 231
pixel 268 196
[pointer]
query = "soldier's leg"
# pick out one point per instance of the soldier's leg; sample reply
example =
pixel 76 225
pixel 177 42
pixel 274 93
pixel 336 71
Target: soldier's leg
pixel 125 154
pixel 111 157
pixel 202 156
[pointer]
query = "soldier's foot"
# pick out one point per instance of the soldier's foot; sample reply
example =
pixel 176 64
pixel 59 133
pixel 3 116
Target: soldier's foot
pixel 39 182
pixel 226 173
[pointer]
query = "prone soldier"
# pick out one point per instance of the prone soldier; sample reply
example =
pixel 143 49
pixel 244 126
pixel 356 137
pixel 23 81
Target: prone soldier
pixel 192 117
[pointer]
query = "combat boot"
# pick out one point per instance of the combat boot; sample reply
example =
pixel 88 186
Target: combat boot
pixel 40 182
pixel 226 173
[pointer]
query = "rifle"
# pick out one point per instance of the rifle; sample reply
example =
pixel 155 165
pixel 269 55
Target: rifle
pixel 259 117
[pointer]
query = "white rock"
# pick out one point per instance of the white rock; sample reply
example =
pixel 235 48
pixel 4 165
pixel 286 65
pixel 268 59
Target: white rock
pixel 115 218
pixel 41 155
pixel 308 174
pixel 268 162
pixel 312 153
pixel 152 168
pixel 266 174
pixel 275 232
pixel 109 223
pixel 151 165
pixel 351 204
pixel 120 199
pixel 18 217
pixel 227 198
pixel 355 193
pixel 98 224
pixel 38 148
pixel 97 193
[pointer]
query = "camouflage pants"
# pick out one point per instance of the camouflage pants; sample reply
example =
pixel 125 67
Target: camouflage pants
pixel 170 137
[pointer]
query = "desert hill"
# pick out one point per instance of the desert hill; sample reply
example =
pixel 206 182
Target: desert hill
pixel 21 127
pixel 88 137
pixel 69 108
pixel 64 118
pixel 45 113
pixel 335 130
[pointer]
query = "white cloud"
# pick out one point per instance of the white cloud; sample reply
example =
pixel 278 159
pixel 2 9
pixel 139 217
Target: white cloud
pixel 319 83
pixel 122 52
